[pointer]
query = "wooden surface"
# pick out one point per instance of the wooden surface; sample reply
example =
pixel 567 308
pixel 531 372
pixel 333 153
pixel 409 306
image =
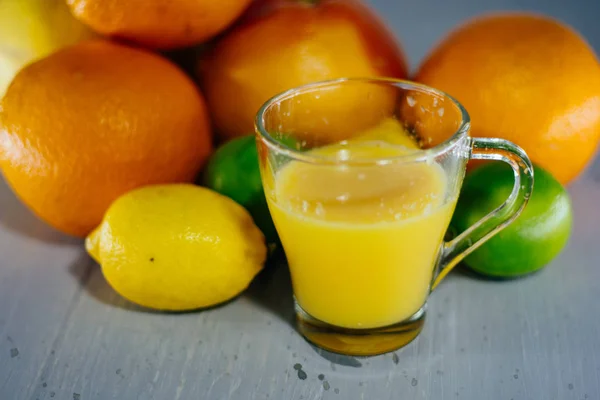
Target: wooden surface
pixel 64 334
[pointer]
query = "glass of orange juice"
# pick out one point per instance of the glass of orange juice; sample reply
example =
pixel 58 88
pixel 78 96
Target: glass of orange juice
pixel 361 177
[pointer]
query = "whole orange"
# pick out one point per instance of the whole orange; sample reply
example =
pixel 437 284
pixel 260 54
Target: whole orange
pixel 92 121
pixel 281 44
pixel 159 24
pixel 526 78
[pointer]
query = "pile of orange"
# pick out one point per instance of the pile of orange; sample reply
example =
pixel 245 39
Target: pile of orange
pixel 90 122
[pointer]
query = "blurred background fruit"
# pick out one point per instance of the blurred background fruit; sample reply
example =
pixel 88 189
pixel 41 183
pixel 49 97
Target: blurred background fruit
pixel 389 130
pixel 281 44
pixel 177 247
pixel 92 121
pixel 233 171
pixel 32 29
pixel 534 239
pixel 526 78
pixel 159 24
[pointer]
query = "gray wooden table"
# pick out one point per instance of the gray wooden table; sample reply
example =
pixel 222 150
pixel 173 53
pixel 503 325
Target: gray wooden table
pixel 64 334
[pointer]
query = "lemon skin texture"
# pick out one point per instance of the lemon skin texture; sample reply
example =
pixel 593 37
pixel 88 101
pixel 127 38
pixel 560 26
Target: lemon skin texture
pixel 177 247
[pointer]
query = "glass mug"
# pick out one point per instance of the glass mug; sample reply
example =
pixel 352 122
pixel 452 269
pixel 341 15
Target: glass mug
pixel 361 177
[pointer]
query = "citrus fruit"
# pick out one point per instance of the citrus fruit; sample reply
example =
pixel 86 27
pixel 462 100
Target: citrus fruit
pixel 527 78
pixel 233 171
pixel 283 44
pixel 390 131
pixel 93 121
pixel 159 24
pixel 177 247
pixel 529 243
pixel 32 29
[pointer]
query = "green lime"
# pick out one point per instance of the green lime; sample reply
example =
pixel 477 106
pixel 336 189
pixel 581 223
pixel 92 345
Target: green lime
pixel 234 172
pixel 533 239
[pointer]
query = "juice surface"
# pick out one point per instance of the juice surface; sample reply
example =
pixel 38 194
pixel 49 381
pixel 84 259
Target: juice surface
pixel 361 241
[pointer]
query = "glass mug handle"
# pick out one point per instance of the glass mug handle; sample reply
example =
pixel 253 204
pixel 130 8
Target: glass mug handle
pixel 461 246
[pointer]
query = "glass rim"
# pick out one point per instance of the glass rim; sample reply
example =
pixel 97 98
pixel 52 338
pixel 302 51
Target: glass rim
pixel 424 155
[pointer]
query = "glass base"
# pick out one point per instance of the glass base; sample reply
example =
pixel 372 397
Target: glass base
pixel 359 342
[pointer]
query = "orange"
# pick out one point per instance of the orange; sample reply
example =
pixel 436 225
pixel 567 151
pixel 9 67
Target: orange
pixel 526 78
pixel 281 44
pixel 159 24
pixel 92 121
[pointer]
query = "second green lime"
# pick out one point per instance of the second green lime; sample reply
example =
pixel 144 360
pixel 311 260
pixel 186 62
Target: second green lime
pixel 535 238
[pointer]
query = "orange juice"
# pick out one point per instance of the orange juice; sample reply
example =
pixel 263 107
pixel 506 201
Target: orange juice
pixel 361 241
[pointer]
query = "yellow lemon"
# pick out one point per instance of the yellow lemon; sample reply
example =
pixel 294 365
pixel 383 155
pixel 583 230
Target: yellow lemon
pixel 32 29
pixel 389 130
pixel 177 247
